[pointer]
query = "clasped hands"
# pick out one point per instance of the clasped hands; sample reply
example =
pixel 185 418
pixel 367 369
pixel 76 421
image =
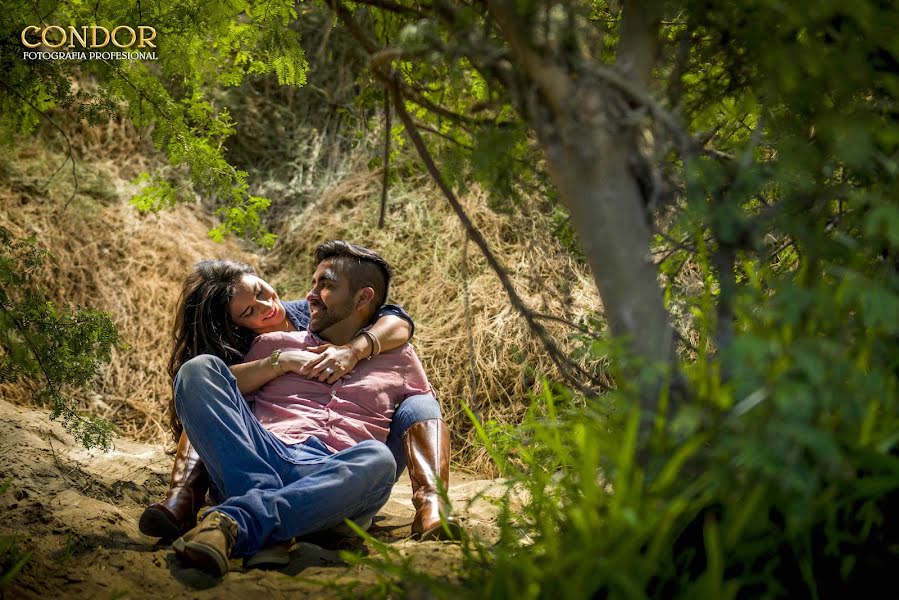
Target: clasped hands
pixel 325 362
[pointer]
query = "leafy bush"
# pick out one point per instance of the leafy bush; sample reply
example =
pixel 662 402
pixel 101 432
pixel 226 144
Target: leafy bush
pixel 65 348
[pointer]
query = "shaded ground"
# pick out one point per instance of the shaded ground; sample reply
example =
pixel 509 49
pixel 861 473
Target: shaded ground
pixel 77 512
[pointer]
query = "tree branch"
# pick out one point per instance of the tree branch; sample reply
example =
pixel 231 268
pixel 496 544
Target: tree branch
pixel 69 153
pixel 394 8
pixel 383 215
pixel 569 369
pixel 551 79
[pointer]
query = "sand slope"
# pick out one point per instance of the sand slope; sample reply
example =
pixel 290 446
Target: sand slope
pixel 77 513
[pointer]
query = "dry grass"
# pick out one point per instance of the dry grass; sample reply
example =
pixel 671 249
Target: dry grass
pixel 111 258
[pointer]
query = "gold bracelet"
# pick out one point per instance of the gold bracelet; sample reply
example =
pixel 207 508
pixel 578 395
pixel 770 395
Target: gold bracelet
pixel 273 361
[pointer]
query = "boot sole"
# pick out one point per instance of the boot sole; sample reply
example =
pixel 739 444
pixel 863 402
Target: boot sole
pixel 270 557
pixel 201 556
pixel 155 523
pixel 440 533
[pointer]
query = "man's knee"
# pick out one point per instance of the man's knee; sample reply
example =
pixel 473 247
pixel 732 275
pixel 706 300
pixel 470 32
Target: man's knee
pixel 413 409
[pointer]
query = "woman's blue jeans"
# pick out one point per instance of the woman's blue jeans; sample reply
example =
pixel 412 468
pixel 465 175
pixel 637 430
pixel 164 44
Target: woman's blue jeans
pixel 274 491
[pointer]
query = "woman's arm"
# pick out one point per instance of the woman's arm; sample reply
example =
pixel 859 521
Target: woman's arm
pixel 387 333
pixel 254 374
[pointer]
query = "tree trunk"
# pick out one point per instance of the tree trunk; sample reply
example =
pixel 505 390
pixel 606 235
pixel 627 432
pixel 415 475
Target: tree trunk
pixel 589 162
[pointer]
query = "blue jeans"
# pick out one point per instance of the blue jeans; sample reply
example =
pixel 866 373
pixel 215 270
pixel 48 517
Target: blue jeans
pixel 252 469
pixel 274 491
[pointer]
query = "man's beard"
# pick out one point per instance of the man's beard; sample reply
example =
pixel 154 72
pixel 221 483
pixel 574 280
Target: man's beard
pixel 328 316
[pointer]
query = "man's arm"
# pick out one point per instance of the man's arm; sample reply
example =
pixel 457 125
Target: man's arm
pixel 390 331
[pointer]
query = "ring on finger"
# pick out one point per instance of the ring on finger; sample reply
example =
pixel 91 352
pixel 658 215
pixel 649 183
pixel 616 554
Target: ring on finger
pixel 329 371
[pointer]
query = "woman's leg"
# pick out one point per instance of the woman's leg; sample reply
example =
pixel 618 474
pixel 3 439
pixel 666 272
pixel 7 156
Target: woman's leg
pixel 419 434
pixel 319 493
pixel 188 485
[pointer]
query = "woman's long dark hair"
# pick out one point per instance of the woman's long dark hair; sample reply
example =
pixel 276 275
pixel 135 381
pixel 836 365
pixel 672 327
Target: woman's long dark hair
pixel 203 322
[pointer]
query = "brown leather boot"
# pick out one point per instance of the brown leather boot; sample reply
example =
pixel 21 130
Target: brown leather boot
pixel 208 545
pixel 427 448
pixel 177 513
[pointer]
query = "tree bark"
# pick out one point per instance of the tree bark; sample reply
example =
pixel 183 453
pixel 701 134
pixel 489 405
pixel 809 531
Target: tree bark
pixel 587 129
pixel 590 167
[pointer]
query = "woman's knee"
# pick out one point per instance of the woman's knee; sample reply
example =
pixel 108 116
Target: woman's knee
pixel 377 457
pixel 196 376
pixel 198 369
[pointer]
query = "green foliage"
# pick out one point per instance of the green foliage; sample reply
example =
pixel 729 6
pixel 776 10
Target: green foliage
pixel 774 474
pixel 64 348
pixel 199 46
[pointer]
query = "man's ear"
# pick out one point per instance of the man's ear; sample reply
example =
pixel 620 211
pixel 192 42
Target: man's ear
pixel 364 297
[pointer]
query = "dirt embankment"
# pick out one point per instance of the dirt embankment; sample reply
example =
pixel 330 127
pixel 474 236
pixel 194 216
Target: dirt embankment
pixel 76 513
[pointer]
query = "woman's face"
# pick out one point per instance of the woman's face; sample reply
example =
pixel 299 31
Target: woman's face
pixel 256 306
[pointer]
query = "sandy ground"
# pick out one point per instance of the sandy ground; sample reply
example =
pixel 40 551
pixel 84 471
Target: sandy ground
pixel 76 513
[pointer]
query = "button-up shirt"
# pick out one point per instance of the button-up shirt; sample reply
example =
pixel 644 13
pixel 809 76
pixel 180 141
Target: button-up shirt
pixel 356 407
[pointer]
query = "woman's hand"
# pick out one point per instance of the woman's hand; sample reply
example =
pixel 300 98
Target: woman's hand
pixel 339 359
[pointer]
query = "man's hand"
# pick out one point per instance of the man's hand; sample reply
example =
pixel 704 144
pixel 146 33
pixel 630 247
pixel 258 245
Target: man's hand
pixel 331 363
pixel 295 361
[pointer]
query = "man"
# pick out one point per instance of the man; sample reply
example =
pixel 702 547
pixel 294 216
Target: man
pixel 316 454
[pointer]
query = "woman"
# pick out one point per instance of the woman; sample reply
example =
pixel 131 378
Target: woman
pixel 222 307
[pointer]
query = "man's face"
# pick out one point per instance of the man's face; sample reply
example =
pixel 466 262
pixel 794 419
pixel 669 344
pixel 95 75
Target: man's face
pixel 330 299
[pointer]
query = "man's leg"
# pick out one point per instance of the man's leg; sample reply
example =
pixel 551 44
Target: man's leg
pixel 420 435
pixel 412 410
pixel 320 492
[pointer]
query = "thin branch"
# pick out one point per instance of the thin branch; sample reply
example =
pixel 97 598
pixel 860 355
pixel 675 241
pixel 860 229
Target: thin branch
pixel 394 8
pixel 473 400
pixel 69 153
pixel 383 214
pixel 581 328
pixel 569 369
pixel 437 132
pixel 550 77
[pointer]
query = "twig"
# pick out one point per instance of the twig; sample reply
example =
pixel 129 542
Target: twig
pixel 473 400
pixel 569 369
pixel 394 7
pixel 383 214
pixel 69 153
pixel 581 328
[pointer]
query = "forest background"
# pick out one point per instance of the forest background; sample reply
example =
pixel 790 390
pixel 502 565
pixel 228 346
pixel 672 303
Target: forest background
pixel 651 248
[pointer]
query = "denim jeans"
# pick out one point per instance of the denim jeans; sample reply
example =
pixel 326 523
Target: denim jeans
pixel 274 491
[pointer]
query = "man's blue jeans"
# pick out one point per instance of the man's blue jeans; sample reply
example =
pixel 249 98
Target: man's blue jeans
pixel 274 491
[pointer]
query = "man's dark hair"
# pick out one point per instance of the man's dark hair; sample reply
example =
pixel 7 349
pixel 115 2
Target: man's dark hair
pixel 363 267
